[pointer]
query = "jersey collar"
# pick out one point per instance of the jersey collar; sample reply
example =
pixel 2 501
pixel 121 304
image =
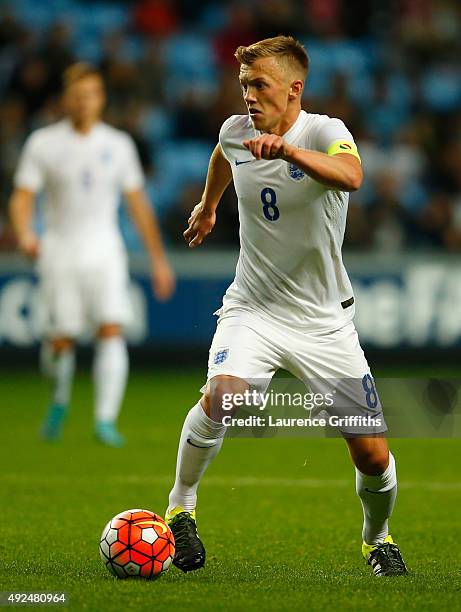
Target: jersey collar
pixel 290 135
pixel 93 132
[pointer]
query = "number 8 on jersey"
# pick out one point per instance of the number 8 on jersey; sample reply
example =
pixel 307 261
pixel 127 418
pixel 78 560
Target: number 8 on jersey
pixel 269 200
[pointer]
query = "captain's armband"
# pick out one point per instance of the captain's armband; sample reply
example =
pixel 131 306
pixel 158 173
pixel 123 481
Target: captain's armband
pixel 343 146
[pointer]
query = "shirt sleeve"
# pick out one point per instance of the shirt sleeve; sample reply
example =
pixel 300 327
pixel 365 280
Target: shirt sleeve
pixel 132 177
pixel 30 173
pixel 223 136
pixel 333 137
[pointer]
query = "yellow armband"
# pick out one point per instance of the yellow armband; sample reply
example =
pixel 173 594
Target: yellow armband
pixel 343 146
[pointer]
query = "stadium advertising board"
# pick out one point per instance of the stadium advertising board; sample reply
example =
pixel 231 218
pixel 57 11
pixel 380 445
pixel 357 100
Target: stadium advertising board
pixel 414 304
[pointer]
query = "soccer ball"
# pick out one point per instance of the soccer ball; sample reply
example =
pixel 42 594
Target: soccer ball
pixel 137 543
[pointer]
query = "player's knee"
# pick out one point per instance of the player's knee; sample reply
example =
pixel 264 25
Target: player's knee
pixel 219 395
pixel 60 345
pixel 109 330
pixel 373 462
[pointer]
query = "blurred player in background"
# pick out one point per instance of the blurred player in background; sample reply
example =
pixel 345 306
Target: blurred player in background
pixel 84 165
pixel 291 304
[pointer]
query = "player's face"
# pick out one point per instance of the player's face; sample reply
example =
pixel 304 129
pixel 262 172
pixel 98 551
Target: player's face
pixel 84 100
pixel 266 90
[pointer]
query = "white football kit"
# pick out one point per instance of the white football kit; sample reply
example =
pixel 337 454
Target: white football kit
pixel 291 304
pixel 83 265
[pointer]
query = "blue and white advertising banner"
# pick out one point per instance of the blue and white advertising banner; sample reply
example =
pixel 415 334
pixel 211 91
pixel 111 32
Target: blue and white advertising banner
pixel 409 302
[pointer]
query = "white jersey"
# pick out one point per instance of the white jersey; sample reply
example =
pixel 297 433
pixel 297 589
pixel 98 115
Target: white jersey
pixel 291 229
pixel 83 177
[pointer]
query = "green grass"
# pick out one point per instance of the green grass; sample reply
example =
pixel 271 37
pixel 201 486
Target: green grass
pixel 279 517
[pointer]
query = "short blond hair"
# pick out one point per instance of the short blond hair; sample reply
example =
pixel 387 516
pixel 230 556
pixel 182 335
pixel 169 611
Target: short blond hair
pixel 77 72
pixel 286 47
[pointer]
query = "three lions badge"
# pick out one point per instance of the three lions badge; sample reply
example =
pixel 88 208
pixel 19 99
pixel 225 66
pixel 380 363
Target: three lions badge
pixel 295 173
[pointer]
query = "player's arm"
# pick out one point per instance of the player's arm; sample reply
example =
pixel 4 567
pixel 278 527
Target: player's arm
pixel 21 208
pixel 203 216
pixel 146 222
pixel 341 171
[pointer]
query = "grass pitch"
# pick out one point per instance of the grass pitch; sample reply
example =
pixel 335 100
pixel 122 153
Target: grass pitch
pixel 279 517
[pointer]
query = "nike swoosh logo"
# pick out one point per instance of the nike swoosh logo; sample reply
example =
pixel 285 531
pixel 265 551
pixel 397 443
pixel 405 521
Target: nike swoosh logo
pixel 375 492
pixel 196 445
pixel 237 162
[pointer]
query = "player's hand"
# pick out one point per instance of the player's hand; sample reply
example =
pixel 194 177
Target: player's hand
pixel 268 146
pixel 163 280
pixel 29 244
pixel 200 223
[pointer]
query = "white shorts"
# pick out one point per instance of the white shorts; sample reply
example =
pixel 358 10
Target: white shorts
pixel 251 347
pixel 76 300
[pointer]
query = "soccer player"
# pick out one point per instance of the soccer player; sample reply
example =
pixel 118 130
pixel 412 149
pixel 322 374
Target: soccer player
pixel 291 303
pixel 84 165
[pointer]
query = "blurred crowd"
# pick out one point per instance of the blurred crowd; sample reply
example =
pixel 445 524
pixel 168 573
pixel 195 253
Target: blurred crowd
pixel 390 70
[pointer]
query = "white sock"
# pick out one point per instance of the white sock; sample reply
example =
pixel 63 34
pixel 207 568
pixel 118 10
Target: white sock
pixel 60 367
pixel 47 359
pixel 377 494
pixel 200 442
pixel 110 372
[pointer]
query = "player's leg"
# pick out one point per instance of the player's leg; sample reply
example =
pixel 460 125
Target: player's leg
pixel 109 307
pixel 376 486
pixel 337 360
pixel 239 353
pixel 201 440
pixel 57 360
pixel 62 307
pixel 110 373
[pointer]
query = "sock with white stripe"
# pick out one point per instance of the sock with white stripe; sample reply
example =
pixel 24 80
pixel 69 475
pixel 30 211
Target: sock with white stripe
pixel 377 494
pixel 60 368
pixel 200 442
pixel 110 373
